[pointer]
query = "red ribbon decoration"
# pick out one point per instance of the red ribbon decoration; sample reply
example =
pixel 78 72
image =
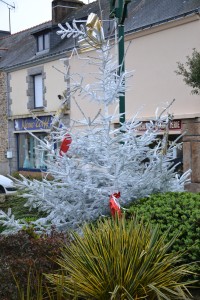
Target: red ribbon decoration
pixel 114 205
pixel 64 147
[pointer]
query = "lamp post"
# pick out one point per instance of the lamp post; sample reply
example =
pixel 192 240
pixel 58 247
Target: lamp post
pixel 120 12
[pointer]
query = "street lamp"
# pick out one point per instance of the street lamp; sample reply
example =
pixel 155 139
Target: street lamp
pixel 120 12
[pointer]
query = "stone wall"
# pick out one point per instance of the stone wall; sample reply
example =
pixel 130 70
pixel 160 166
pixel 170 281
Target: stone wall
pixel 4 163
pixel 191 152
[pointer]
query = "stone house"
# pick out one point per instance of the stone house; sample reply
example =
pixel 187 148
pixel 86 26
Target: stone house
pixel 158 34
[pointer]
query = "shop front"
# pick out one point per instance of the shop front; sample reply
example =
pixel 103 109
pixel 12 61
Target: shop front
pixel 174 136
pixel 29 155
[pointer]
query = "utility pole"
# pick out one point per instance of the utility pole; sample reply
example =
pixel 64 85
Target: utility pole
pixel 120 13
pixel 9 8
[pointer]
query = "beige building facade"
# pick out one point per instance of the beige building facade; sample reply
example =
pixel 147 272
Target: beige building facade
pixel 152 54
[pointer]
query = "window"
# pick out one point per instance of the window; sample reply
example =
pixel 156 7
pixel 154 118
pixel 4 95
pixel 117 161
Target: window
pixel 38 90
pixel 43 42
pixel 29 152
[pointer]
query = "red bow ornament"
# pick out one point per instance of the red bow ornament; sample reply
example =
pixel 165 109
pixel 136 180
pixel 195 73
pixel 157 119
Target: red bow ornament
pixel 114 205
pixel 64 147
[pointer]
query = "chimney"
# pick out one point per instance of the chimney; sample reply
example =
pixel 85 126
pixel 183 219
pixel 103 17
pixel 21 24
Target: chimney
pixel 62 8
pixel 4 33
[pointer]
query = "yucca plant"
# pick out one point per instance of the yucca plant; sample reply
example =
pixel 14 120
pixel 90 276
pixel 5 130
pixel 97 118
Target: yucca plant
pixel 122 259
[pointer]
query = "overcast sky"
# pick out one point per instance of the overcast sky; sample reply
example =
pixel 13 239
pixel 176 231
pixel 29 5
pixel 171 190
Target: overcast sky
pixel 27 13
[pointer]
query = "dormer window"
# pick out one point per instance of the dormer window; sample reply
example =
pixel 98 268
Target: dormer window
pixel 42 39
pixel 43 42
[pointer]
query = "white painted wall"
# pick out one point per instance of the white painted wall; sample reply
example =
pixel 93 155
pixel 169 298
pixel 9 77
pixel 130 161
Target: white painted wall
pixel 154 58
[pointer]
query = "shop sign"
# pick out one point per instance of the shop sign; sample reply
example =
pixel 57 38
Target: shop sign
pixel 39 123
pixel 173 125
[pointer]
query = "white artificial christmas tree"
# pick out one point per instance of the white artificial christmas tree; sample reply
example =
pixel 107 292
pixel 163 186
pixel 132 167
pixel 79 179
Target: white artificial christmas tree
pixel 91 164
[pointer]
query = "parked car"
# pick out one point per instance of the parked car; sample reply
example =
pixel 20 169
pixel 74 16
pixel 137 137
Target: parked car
pixel 7 185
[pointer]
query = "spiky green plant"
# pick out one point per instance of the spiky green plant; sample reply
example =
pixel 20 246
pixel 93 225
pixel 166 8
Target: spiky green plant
pixel 39 290
pixel 27 293
pixel 122 259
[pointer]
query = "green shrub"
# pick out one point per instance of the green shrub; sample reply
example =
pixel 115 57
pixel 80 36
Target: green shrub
pixel 24 256
pixel 121 259
pixel 16 203
pixel 179 211
pixel 191 71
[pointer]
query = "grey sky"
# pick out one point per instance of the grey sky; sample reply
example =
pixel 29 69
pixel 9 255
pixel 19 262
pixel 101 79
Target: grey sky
pixel 27 13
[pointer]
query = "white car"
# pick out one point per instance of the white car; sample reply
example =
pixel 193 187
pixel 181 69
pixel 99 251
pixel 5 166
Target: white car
pixel 7 185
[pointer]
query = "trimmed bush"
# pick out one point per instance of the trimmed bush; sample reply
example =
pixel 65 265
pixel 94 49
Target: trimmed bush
pixel 24 257
pixel 121 259
pixel 179 212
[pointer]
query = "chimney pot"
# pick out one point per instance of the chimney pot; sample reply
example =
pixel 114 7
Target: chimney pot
pixel 62 8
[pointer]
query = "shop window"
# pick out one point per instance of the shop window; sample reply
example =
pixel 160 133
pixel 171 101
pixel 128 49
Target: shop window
pixel 38 91
pixel 29 153
pixel 43 42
